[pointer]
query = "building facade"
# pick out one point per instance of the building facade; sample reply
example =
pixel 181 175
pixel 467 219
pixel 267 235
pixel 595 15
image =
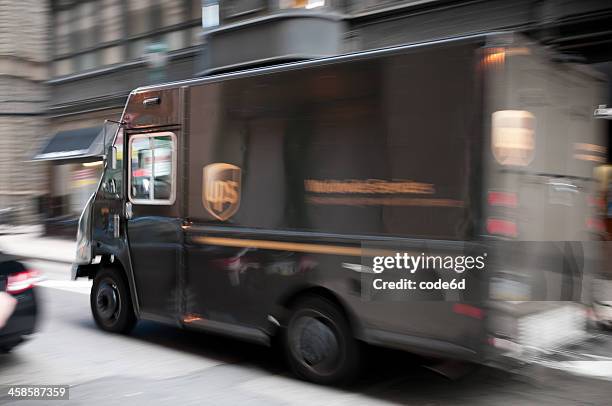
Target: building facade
pixel 23 107
pixel 102 49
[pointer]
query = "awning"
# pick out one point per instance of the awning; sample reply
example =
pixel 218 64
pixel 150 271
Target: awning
pixel 84 144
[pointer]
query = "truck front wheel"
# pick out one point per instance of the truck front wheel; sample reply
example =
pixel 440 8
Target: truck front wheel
pixel 111 303
pixel 319 343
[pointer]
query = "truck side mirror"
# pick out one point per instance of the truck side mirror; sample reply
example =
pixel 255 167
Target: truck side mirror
pixel 112 156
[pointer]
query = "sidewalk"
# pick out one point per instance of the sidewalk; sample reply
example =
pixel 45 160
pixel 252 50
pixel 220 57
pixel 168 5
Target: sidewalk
pixel 35 246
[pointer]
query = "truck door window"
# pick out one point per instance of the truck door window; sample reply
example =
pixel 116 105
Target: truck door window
pixel 152 168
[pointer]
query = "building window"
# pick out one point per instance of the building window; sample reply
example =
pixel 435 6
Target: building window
pixel 362 6
pixel 112 26
pixel 237 8
pixel 112 55
pixel 172 12
pixel 62 32
pixel 196 36
pixel 63 67
pixel 152 168
pixel 88 60
pixel 174 40
pixel 137 47
pixel 196 10
pixel 86 26
pixel 139 16
pixel 145 16
pixel 91 33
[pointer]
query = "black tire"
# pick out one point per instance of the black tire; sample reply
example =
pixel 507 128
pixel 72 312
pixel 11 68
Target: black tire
pixel 111 304
pixel 604 326
pixel 319 344
pixel 8 347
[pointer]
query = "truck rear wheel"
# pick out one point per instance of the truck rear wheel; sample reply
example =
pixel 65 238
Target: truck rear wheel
pixel 111 304
pixel 319 343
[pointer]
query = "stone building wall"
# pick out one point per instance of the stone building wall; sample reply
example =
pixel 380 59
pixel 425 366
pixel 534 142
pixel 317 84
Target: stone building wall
pixel 24 44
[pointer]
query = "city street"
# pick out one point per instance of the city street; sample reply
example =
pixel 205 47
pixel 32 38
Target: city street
pixel 158 364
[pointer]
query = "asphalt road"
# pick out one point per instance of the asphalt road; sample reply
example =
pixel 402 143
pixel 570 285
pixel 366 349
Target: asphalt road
pixel 159 365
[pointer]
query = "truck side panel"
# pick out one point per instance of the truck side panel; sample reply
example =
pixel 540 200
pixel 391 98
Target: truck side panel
pixel 329 156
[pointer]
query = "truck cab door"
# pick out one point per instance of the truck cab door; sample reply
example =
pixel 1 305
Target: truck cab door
pixel 108 203
pixel 154 231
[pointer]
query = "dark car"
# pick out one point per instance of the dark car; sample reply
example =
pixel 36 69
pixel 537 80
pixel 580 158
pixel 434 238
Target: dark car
pixel 17 281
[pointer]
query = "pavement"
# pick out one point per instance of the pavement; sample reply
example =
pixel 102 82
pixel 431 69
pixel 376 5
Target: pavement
pixel 33 245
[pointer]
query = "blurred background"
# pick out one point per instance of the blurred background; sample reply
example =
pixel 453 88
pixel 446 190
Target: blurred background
pixel 66 66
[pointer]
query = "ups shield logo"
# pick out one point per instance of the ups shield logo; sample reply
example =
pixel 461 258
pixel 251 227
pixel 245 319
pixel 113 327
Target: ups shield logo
pixel 221 190
pixel 513 137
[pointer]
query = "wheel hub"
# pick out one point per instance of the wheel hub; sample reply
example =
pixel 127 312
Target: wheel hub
pixel 107 301
pixel 317 342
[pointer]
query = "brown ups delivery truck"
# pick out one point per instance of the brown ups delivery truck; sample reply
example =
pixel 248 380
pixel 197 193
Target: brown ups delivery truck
pixel 252 204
